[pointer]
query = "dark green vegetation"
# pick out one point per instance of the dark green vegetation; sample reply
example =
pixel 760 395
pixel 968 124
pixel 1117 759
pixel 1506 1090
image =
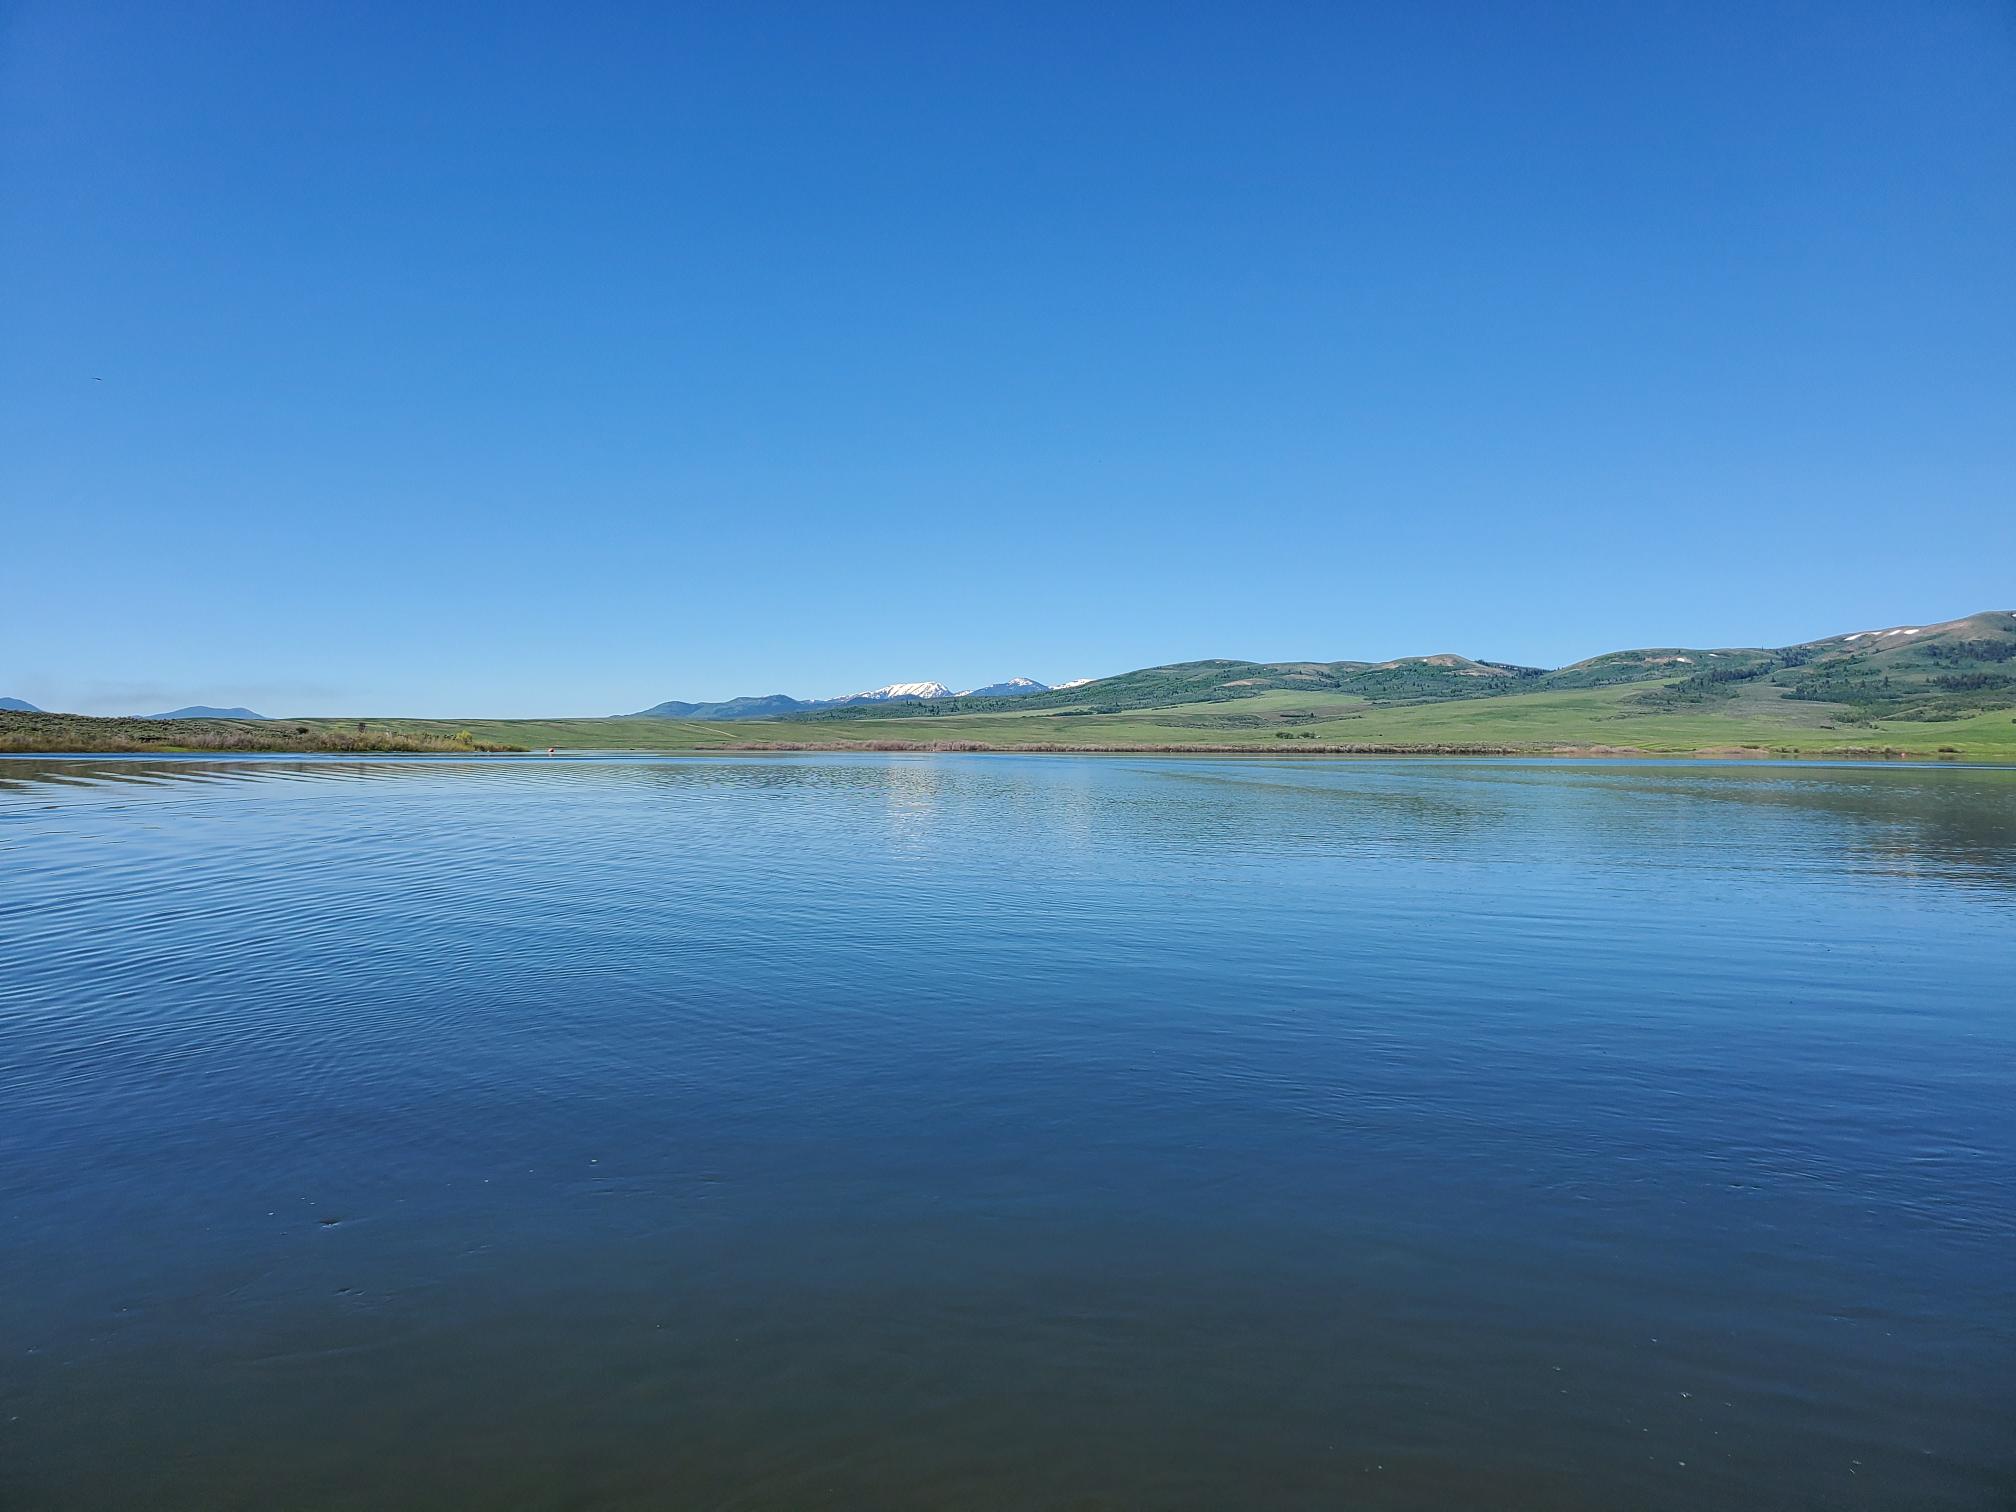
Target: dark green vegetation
pixel 82 732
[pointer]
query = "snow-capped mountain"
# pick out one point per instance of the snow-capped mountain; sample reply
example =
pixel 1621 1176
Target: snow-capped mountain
pixel 893 690
pixel 1015 687
pixel 778 705
pixel 1076 682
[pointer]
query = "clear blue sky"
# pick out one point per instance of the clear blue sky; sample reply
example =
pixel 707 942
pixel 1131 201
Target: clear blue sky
pixel 553 359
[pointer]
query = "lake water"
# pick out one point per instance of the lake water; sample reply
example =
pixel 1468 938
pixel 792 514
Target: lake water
pixel 1006 1132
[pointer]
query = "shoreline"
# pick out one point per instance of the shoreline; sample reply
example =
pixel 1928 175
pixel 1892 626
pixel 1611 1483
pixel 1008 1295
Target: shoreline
pixel 75 735
pixel 1361 748
pixel 1888 755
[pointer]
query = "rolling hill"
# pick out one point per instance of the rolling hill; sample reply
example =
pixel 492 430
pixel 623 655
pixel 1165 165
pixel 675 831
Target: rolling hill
pixel 763 706
pixel 1909 671
pixel 1935 689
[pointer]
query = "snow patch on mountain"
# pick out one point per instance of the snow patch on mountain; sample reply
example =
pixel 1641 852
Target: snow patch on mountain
pixel 1015 687
pixel 896 690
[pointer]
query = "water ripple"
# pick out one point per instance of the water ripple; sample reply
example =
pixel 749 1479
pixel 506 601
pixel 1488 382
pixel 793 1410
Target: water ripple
pixel 814 1131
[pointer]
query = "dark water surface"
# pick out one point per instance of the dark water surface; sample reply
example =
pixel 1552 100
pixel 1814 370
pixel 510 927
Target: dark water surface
pixel 998 1132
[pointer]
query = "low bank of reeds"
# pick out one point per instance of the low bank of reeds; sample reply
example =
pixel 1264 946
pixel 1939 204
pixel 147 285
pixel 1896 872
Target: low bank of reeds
pixel 88 735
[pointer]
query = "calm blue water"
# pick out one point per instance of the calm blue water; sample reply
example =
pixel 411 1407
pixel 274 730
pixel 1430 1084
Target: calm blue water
pixel 997 1132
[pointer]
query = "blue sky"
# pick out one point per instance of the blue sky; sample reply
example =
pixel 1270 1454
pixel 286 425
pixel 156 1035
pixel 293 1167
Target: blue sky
pixel 544 359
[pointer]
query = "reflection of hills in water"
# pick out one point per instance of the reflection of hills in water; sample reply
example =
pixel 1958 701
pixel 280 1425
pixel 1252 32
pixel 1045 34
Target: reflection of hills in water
pixel 1941 824
pixel 1950 824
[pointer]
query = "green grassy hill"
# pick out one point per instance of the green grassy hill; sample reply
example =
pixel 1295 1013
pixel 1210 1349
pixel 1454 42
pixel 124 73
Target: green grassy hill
pixel 1224 681
pixel 1929 690
pixel 1929 672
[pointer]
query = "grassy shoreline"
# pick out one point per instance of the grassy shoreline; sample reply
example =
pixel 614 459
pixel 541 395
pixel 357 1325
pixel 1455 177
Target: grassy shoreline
pixel 73 737
pixel 1563 752
pixel 89 735
pixel 1578 725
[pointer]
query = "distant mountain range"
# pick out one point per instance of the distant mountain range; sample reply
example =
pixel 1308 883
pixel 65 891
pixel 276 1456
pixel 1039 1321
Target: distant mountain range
pixel 194 711
pixel 1928 672
pixel 778 705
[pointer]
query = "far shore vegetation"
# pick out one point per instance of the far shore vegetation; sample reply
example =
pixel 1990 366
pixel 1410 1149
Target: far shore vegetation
pixel 1595 723
pixel 88 734
pixel 1932 692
